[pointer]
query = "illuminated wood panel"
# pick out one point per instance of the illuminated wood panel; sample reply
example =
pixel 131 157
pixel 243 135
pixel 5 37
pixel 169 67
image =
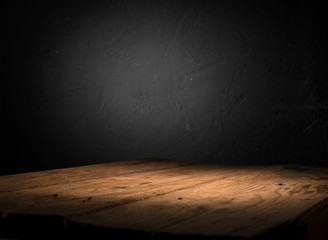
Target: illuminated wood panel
pixel 163 198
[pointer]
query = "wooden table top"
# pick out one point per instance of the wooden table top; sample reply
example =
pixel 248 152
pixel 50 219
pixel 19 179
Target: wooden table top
pixel 156 198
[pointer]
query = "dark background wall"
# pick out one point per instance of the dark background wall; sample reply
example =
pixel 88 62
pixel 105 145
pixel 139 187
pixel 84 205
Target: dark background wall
pixel 212 81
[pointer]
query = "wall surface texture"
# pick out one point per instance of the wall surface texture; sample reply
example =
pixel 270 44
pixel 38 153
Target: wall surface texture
pixel 210 81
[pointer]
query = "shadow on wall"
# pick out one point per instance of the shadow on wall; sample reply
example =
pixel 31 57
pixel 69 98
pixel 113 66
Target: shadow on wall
pixel 228 82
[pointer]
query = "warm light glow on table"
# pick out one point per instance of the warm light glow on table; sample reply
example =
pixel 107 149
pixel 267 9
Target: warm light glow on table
pixel 171 197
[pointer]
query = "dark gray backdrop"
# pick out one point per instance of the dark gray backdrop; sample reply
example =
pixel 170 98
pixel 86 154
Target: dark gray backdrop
pixel 211 81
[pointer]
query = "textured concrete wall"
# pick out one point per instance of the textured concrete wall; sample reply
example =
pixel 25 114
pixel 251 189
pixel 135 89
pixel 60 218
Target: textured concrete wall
pixel 214 81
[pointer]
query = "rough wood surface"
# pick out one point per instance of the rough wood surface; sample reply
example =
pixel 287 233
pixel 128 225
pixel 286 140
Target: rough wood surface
pixel 164 197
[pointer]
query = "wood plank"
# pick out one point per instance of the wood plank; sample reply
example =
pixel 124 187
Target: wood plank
pixel 65 197
pixel 77 174
pixel 162 196
pixel 243 205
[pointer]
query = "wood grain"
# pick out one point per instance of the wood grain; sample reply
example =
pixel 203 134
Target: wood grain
pixel 164 197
